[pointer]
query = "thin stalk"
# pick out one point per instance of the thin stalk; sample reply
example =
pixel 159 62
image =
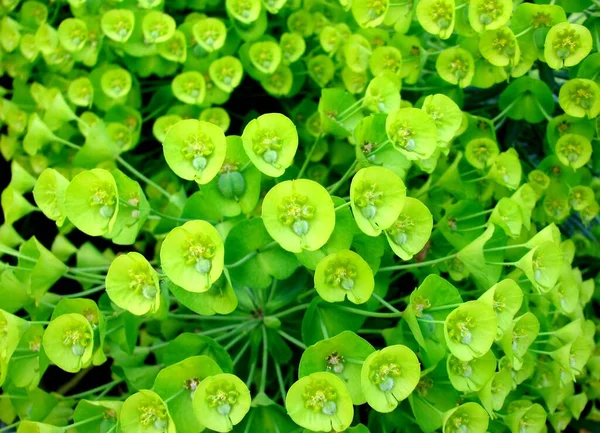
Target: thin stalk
pixel 524 32
pixel 385 303
pixel 505 111
pixel 546 115
pixel 9 427
pixel 292 340
pixel 86 292
pixel 500 263
pixel 265 360
pixel 85 421
pixel 280 380
pixel 443 307
pixel 506 247
pixel 251 255
pixel 174 396
pixel 333 188
pixel 240 353
pixel 369 313
pixel 416 265
pixel 220 329
pixel 66 142
pixel 291 310
pixel 342 206
pixel 308 157
pixel 474 215
pixel 92 391
pixel 150 182
pixel 235 330
pixel 541 352
pixel 436 322
pixel 216 318
pixel 239 337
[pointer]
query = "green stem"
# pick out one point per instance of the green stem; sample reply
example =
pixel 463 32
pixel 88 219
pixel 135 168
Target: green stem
pixel 523 32
pixel 241 336
pixel 66 142
pixel 500 263
pixel 506 247
pixel 92 391
pixel 174 396
pixel 291 339
pixel 333 188
pixel 474 215
pixel 251 255
pixel 308 157
pixel 505 111
pixel 85 421
pixel 443 307
pixel 368 313
pixel 220 329
pixel 385 303
pixel 291 310
pixel 540 352
pixel 416 265
pixel 9 427
pixel 238 329
pixel 154 113
pixel 240 353
pixel 436 322
pixel 199 317
pixel 342 206
pixel 265 360
pixel 471 229
pixel 86 292
pixel 280 380
pixel 369 331
pixel 133 170
pixel 43 322
pixel 541 108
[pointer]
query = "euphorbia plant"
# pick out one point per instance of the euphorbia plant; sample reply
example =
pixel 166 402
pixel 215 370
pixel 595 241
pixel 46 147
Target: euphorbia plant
pixel 297 216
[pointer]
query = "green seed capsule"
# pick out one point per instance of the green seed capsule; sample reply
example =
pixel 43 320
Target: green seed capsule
pixel 232 184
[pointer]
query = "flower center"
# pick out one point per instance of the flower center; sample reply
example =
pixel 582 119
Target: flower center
pixel 295 211
pixel 335 362
pixel 267 143
pixel 459 67
pixel 460 330
pixel 103 200
pixel 197 148
pixel 153 413
pixel 541 19
pixel 77 339
pixel 383 373
pixel 489 10
pixel 566 42
pixel 368 197
pixel 320 397
pixel 376 8
pixel 583 96
pixel 419 304
pixel 221 396
pixel 341 273
pixel 200 252
pixel 441 13
pixel 400 227
pixel 141 283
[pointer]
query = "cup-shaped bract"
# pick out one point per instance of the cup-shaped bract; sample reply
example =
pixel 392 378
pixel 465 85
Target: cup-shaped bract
pixel 189 87
pixel 49 194
pixel 370 13
pixel 386 60
pixel 342 275
pixel 566 45
pixel 456 65
pixel 412 132
pixel 217 116
pixel 321 69
pixel 377 196
pixel 12 328
pixel 271 141
pixel 489 14
pixel 341 355
pixel 506 169
pixel 221 401
pixel 265 56
pixel 506 298
pixel 388 376
pixel 226 73
pixel 91 201
pixel 542 265
pixel 192 256
pixel 382 94
pixel 320 402
pixel 132 284
pixel 507 215
pixel 292 47
pixel 81 92
pixel 116 82
pixel 245 11
pixel 72 34
pixel 162 125
pixel 210 33
pixel 581 197
pixel 468 417
pixel 69 342
pixel 177 385
pixel 574 355
pixel 117 24
pixel 195 150
pixel 447 116
pixel 411 230
pixel 157 27
pixel 580 97
pixel 437 17
pixel 471 376
pixel 145 411
pixel 299 215
pixel 500 47
pixel 525 416
pixel 357 52
pixel 519 336
pixel 481 152
pixel 470 330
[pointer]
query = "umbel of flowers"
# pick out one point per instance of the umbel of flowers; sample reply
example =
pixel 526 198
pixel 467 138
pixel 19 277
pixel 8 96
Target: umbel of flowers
pixel 289 216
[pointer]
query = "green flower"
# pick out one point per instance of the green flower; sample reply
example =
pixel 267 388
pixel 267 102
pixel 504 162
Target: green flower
pixel 566 45
pixel 69 342
pixel 299 215
pixel 456 65
pixel 91 202
pixel 144 412
pixel 377 196
pixel 468 417
pixel 370 13
pixel 210 33
pixel 133 284
pixel 221 401
pixel 580 97
pixel 192 256
pixel 320 402
pixel 411 230
pixel 117 24
pixel 189 87
pixel 388 376
pixel 471 376
pixel 344 274
pixel 195 150
pixel 437 17
pixel 470 330
pixel 271 141
pixel 412 132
